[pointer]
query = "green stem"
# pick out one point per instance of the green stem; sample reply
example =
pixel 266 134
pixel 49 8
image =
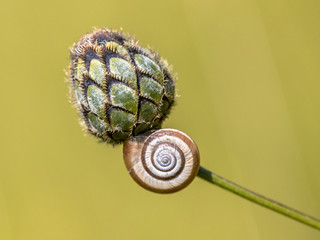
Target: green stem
pixel 258 199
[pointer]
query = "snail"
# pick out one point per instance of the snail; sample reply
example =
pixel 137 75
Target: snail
pixel 165 161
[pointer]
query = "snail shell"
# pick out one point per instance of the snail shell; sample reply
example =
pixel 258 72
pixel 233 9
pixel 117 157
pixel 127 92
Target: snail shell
pixel 164 161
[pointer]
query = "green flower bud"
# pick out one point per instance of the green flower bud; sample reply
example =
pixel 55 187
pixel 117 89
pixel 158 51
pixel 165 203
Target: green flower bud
pixel 119 88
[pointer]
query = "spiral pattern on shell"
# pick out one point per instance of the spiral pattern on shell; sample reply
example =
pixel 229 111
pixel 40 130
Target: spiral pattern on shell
pixel 165 161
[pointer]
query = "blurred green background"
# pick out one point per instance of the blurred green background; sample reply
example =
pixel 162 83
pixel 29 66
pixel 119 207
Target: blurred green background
pixel 249 96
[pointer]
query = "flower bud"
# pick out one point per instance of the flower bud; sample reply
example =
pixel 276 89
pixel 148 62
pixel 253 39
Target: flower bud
pixel 119 88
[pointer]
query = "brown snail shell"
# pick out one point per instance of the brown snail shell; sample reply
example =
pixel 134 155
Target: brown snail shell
pixel 165 161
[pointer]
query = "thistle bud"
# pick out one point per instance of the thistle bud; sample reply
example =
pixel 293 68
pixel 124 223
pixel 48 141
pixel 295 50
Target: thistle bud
pixel 119 88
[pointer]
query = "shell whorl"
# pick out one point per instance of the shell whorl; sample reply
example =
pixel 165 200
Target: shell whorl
pixel 164 161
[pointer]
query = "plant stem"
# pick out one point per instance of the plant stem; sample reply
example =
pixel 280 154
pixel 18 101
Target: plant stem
pixel 258 199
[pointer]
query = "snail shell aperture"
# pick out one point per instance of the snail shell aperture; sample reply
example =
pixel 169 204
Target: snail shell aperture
pixel 165 161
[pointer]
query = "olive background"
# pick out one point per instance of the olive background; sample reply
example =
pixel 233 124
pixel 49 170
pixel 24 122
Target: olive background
pixel 248 95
